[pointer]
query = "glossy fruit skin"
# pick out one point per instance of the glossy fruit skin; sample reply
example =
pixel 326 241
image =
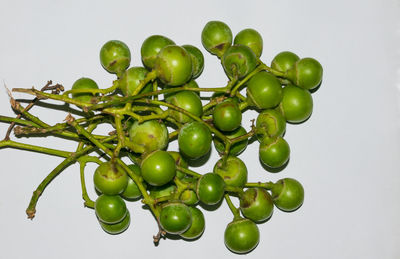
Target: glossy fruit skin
pixel 274 152
pixel 250 38
pixel 216 37
pixel 194 140
pixel 236 148
pixel 264 90
pixel 158 168
pixel 132 191
pixel 151 47
pixel 117 228
pixel 210 188
pixel 188 101
pixel 110 209
pixel 197 227
pixel 288 194
pixel 175 218
pixel 197 60
pixel 173 65
pixel 179 161
pixel 148 136
pixel 227 115
pixel 241 236
pixel 110 178
pixel 130 80
pixel 296 105
pixel 306 73
pixel 115 56
pixel 256 204
pixel 239 60
pixel 189 197
pixel 84 83
pixel 270 123
pixel 234 171
pixel 284 61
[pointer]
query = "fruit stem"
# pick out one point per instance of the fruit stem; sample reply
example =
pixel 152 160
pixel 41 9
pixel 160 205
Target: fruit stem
pixel 31 210
pixel 246 78
pixel 234 210
pixel 137 179
pixel 93 91
pixel 88 202
pixel 149 77
pixel 43 95
pixel 44 150
pixel 188 171
pixel 18 121
pixel 194 117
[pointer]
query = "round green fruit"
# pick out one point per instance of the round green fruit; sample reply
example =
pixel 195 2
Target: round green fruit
pixel 288 194
pixel 250 38
pixel 264 90
pixel 175 218
pixel 270 123
pixel 241 236
pixel 109 178
pixel 173 65
pixel 117 228
pixel 84 83
pixel 158 168
pixel 198 224
pixel 151 47
pixel 296 105
pixel 187 100
pixel 210 188
pixel 130 80
pixel 115 56
pixel 306 73
pixel 110 209
pixel 274 152
pixel 256 204
pixel 194 140
pixel 147 136
pixel 238 61
pixel 216 37
pixel 227 116
pixel 233 171
pixel 284 61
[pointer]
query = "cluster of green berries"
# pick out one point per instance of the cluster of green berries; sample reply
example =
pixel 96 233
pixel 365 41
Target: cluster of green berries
pixel 162 178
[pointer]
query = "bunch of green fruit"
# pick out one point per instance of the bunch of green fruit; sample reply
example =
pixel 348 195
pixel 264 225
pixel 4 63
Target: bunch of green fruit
pixel 159 102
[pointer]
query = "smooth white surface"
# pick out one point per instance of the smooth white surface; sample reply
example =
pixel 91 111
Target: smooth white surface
pixel 346 155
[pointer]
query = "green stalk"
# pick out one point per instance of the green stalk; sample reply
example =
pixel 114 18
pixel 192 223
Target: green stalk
pixel 188 171
pixel 18 121
pixel 194 117
pixel 234 210
pixel 44 150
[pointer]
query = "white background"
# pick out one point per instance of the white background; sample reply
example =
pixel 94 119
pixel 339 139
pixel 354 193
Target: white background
pixel 346 155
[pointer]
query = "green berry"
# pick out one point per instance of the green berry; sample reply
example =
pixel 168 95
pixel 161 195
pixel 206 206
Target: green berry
pixel 250 38
pixel 173 65
pixel 115 57
pixel 216 37
pixel 151 47
pixel 284 61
